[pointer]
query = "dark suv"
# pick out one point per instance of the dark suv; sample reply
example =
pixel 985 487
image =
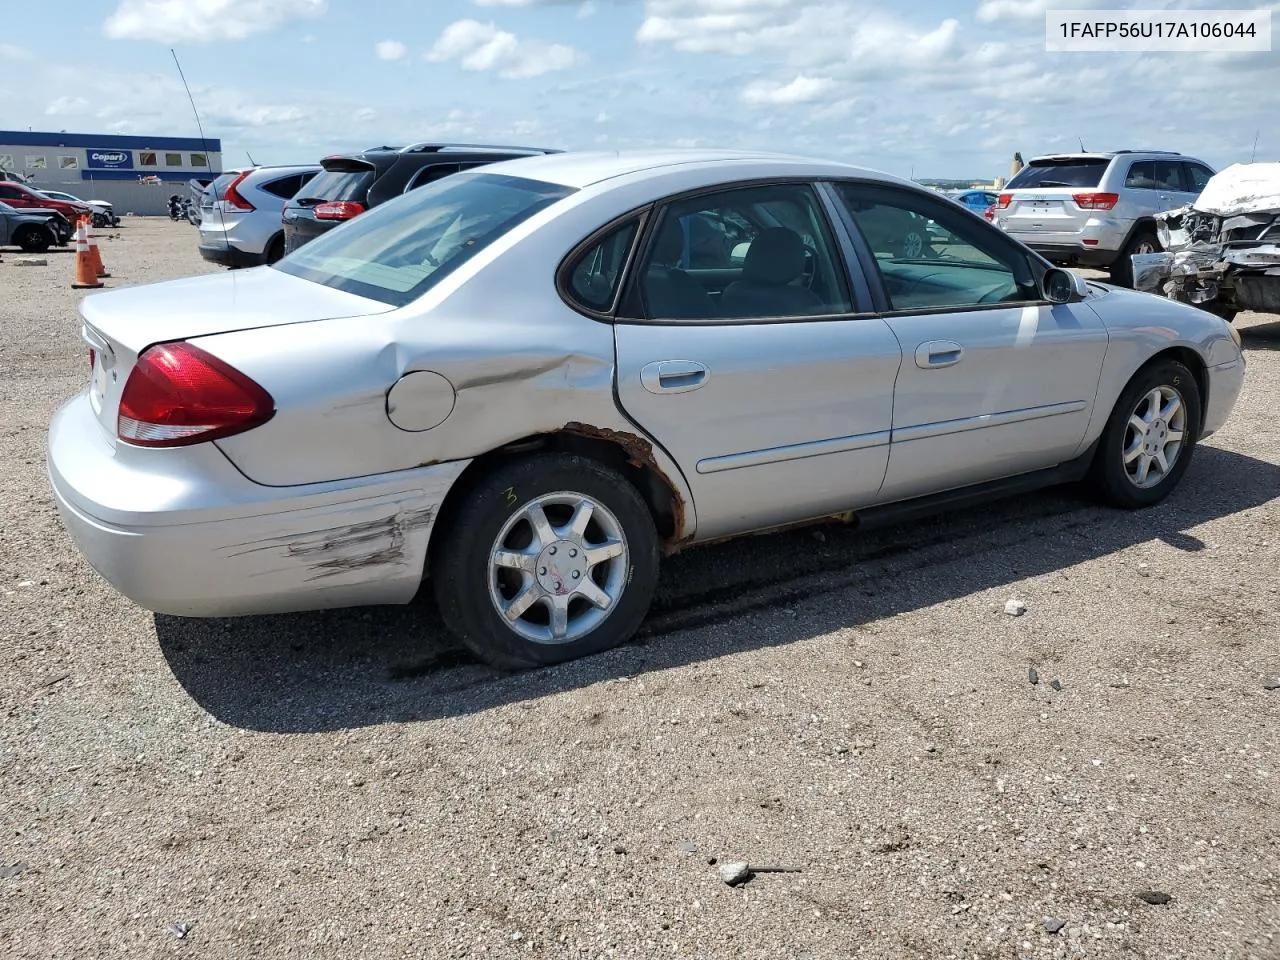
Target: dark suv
pixel 350 184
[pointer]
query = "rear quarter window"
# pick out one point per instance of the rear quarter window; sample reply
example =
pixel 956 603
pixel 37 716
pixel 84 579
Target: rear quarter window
pixel 1066 172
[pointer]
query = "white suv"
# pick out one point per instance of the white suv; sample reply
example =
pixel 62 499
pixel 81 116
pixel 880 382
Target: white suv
pixel 240 214
pixel 1097 209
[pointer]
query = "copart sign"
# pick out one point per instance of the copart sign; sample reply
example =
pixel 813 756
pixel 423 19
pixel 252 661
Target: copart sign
pixel 110 159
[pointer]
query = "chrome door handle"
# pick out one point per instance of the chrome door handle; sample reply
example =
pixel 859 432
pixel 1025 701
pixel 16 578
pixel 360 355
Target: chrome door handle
pixel 938 353
pixel 673 376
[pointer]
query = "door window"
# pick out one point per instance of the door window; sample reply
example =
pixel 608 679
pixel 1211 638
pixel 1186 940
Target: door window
pixel 594 277
pixel 750 252
pixel 1169 175
pixel 1142 176
pixel 931 256
pixel 1197 177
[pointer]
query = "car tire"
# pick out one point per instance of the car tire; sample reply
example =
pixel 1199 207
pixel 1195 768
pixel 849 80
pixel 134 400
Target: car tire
pixel 33 240
pixel 275 249
pixel 1144 240
pixel 486 558
pixel 1116 474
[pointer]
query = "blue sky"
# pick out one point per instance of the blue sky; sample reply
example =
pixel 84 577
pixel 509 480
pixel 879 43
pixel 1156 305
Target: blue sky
pixel 931 87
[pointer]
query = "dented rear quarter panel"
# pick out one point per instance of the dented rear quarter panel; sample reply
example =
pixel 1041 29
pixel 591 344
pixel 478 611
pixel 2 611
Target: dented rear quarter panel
pixel 521 363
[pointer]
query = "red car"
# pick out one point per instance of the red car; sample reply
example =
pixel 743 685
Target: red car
pixel 22 197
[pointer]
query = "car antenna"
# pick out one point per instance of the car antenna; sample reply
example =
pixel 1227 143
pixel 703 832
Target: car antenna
pixel 1253 156
pixel 204 142
pixel 1081 140
pixel 252 163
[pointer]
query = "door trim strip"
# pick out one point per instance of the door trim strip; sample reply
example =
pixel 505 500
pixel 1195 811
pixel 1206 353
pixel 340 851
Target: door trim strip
pixel 926 431
pixel 793 451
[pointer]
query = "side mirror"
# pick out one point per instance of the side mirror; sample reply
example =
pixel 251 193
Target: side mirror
pixel 1063 286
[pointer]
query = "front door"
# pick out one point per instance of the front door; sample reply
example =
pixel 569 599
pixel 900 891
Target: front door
pixel 995 381
pixel 746 361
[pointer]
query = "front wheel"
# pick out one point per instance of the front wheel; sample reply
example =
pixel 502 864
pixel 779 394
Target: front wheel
pixel 34 240
pixel 551 558
pixel 1147 444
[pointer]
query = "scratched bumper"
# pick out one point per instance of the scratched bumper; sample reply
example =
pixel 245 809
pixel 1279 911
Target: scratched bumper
pixel 182 532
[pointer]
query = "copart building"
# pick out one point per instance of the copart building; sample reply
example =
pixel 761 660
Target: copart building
pixel 135 174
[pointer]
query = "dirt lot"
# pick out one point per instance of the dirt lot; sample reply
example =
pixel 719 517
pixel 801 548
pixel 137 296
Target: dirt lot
pixel 854 706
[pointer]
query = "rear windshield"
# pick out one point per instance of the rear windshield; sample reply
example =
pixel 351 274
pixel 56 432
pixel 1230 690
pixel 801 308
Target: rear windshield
pixel 335 185
pixel 400 249
pixel 1069 172
pixel 219 185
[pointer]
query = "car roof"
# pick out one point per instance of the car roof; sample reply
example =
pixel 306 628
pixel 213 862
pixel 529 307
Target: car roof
pixel 583 169
pixel 1106 155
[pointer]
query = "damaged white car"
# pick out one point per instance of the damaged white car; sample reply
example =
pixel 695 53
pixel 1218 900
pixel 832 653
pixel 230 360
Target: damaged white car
pixel 1221 253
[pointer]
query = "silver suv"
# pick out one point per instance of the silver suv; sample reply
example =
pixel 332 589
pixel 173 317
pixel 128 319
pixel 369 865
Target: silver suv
pixel 240 214
pixel 1098 209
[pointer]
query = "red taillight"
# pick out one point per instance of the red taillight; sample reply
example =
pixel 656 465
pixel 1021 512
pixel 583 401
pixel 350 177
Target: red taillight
pixel 178 394
pixel 92 358
pixel 1003 200
pixel 232 196
pixel 990 213
pixel 339 210
pixel 1095 201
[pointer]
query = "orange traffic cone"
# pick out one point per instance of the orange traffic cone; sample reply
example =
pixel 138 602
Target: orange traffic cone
pixel 95 255
pixel 86 276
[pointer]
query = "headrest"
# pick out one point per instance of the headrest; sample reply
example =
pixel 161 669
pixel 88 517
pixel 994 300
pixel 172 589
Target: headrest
pixel 776 257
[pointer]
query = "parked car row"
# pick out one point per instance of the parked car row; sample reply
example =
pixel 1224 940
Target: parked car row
pixel 525 383
pixel 23 196
pixel 255 216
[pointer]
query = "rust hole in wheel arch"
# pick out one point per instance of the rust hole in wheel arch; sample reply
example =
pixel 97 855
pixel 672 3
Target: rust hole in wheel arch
pixel 639 453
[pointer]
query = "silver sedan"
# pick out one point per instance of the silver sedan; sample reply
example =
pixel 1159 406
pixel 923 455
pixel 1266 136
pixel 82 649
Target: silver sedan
pixel 527 383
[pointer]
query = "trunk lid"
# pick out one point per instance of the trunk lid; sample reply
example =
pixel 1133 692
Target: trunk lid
pixel 120 324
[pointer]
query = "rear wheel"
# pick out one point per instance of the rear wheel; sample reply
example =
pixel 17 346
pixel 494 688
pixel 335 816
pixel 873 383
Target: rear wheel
pixel 33 239
pixel 1143 241
pixel 275 249
pixel 551 558
pixel 1149 438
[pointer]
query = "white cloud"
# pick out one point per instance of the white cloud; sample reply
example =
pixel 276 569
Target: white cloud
pixel 800 90
pixel 204 21
pixel 390 50
pixel 364 115
pixel 482 46
pixel 66 106
pixel 9 52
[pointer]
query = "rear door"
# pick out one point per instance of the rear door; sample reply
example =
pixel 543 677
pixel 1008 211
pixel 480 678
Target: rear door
pixel 746 357
pixel 1040 197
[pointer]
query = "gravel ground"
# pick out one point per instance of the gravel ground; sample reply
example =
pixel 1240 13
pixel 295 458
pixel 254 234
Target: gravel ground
pixel 855 707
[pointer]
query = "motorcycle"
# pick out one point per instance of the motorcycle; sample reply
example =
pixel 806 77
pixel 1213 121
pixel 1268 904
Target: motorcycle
pixel 179 208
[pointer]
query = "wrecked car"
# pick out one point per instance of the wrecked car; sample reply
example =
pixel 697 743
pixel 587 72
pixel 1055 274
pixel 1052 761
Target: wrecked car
pixel 1222 252
pixel 517 384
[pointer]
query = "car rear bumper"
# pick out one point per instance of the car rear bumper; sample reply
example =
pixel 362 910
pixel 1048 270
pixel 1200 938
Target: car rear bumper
pixel 182 532
pixel 1068 254
pixel 228 256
